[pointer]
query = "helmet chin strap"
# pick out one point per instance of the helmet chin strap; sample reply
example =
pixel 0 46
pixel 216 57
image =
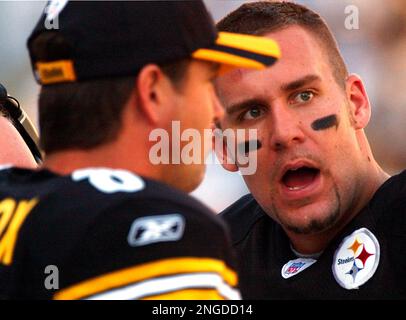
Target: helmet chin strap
pixel 22 123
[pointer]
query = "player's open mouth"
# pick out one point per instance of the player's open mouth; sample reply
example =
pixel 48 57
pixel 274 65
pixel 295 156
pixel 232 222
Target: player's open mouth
pixel 299 178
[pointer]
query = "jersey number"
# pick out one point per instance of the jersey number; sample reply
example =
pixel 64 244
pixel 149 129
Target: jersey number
pixel 12 215
pixel 110 181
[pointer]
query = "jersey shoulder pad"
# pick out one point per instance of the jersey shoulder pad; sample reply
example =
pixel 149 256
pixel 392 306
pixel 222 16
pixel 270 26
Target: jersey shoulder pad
pixel 388 205
pixel 241 217
pixel 149 246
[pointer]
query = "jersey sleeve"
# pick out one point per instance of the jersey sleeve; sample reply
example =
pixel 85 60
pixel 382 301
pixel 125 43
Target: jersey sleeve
pixel 151 249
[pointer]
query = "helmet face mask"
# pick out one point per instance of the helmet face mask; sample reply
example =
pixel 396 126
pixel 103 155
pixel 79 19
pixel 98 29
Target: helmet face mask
pixel 21 122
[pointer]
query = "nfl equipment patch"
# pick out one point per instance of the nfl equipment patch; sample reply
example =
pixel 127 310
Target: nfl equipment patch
pixel 293 267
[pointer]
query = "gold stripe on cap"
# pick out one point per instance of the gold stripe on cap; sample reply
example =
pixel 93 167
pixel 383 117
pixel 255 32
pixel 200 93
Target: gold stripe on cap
pixel 234 50
pixel 227 59
pixel 256 44
pixel 55 71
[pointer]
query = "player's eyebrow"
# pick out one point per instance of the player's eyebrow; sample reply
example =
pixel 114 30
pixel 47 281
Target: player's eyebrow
pixel 245 104
pixel 287 87
pixel 294 85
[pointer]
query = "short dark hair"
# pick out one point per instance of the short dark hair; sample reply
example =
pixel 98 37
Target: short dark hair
pixel 259 18
pixel 87 114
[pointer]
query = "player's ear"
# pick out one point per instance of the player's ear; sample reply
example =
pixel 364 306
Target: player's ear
pixel 222 150
pixel 152 93
pixel 360 107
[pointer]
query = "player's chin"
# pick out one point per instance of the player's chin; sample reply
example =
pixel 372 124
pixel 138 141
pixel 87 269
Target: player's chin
pixel 313 226
pixel 194 177
pixel 310 219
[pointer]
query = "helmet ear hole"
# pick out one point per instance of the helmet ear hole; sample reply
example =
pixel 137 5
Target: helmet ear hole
pixel 21 122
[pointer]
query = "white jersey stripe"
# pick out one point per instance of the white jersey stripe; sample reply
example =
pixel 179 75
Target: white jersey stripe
pixel 5 166
pixel 169 284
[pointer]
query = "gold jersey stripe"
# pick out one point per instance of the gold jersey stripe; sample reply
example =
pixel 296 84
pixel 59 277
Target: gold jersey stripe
pixel 8 241
pixel 145 271
pixel 188 294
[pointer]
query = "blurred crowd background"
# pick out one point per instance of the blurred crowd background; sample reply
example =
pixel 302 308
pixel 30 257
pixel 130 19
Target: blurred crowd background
pixel 376 51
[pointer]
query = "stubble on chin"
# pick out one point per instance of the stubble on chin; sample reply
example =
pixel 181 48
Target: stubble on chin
pixel 313 226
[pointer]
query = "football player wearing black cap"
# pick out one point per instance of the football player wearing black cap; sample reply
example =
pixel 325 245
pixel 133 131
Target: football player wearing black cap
pixel 99 220
pixel 323 220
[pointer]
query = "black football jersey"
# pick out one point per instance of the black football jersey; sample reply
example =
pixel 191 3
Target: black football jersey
pixel 367 260
pixel 108 234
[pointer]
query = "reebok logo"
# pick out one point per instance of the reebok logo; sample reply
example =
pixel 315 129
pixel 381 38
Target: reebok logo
pixel 152 229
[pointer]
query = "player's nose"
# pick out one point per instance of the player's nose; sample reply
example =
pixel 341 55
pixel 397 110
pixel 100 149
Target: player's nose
pixel 286 130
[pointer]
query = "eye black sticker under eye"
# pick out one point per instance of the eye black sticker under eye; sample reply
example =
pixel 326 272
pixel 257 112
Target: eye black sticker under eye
pixel 325 123
pixel 249 146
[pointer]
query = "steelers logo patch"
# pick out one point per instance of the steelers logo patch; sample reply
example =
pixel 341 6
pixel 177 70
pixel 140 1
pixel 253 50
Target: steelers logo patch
pixel 356 259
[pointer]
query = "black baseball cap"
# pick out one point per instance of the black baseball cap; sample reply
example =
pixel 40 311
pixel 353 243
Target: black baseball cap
pixel 117 38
